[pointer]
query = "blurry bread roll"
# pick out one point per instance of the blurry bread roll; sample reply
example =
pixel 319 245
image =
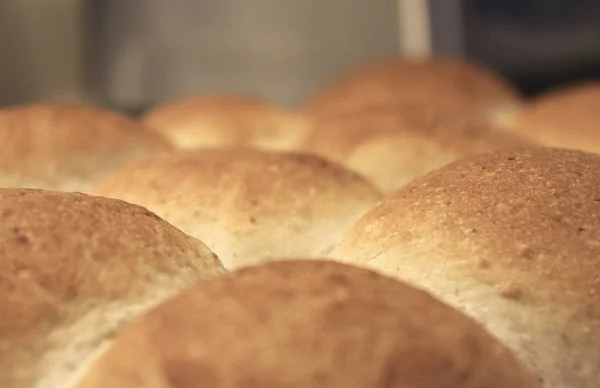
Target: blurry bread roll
pixel 224 121
pixel 73 269
pixel 67 147
pixel 393 146
pixel 248 205
pixel 451 85
pixel 305 324
pixel 567 117
pixel 511 238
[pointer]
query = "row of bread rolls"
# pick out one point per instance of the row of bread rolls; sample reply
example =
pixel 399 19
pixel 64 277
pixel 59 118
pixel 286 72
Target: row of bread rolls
pixel 299 323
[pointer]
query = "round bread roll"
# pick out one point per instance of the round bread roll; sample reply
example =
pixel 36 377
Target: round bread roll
pixel 73 269
pixel 393 146
pixel 248 205
pixel 225 121
pixel 67 147
pixel 305 324
pixel 512 239
pixel 448 84
pixel 568 117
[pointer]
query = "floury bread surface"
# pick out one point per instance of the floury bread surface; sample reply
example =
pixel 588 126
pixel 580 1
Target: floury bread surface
pixel 73 269
pixel 513 239
pixel 68 147
pixel 248 205
pixel 305 324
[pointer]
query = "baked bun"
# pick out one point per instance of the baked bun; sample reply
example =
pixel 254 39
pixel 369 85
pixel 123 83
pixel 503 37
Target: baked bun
pixel 393 146
pixel 512 238
pixel 305 324
pixel 568 117
pixel 225 121
pixel 452 85
pixel 248 205
pixel 74 268
pixel 67 147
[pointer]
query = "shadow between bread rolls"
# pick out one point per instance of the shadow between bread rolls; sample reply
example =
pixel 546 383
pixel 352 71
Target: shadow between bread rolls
pixel 74 269
pixel 248 205
pixel 304 324
pixel 68 146
pixel 513 239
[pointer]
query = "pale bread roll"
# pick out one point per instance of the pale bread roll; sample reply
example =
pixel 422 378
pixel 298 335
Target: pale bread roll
pixel 392 146
pixel 73 269
pixel 447 84
pixel 248 205
pixel 68 147
pixel 305 324
pixel 567 117
pixel 511 238
pixel 214 121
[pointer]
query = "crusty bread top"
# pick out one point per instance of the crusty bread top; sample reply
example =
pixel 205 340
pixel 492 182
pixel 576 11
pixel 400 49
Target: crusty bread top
pixel 304 323
pixel 392 146
pixel 248 204
pixel 227 120
pixel 443 83
pixel 339 134
pixel 567 117
pixel 526 219
pixel 43 144
pixel 61 253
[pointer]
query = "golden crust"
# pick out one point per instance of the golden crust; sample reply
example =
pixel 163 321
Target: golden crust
pixel 391 146
pixel 62 254
pixel 67 146
pixel 277 203
pixel 221 120
pixel 305 323
pixel 442 83
pixel 513 238
pixel 567 117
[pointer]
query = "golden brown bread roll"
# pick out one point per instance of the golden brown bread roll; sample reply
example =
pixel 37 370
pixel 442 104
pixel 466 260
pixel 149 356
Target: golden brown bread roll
pixel 73 269
pixel 393 146
pixel 513 239
pixel 448 84
pixel 305 324
pixel 67 147
pixel 248 205
pixel 567 117
pixel 215 121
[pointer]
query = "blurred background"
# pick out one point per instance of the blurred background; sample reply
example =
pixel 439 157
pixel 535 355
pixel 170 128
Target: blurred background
pixel 131 54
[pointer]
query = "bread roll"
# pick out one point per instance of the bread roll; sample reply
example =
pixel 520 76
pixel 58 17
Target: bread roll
pixel 248 205
pixel 73 268
pixel 67 147
pixel 221 120
pixel 511 238
pixel 393 146
pixel 447 84
pixel 305 324
pixel 568 117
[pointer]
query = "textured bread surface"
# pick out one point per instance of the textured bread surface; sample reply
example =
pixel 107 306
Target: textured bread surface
pixel 67 147
pixel 248 205
pixel 73 269
pixel 214 121
pixel 513 239
pixel 392 146
pixel 567 117
pixel 305 323
pixel 447 84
